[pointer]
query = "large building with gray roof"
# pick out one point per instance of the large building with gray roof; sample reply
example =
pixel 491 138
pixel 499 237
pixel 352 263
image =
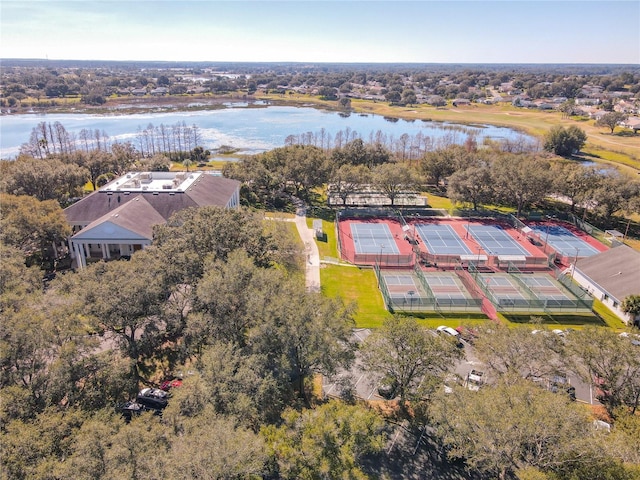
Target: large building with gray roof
pixel 118 219
pixel 611 276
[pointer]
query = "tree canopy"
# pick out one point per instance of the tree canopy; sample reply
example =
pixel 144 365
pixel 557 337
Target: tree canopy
pixel 564 141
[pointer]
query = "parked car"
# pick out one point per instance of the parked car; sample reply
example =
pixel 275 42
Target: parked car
pixel 153 398
pixel 132 408
pixel 387 389
pixel 452 333
pixel 171 383
pixel 475 379
pixel 448 331
pixel 467 334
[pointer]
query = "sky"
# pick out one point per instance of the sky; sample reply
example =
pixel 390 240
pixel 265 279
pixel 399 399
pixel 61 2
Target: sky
pixel 386 31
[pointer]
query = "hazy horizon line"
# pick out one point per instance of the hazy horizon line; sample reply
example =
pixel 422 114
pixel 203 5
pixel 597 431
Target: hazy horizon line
pixel 34 59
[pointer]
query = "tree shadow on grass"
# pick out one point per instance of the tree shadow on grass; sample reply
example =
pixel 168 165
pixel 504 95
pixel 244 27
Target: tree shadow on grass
pixel 552 320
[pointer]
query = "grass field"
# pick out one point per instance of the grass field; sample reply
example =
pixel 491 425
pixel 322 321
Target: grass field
pixel 328 246
pixel 357 285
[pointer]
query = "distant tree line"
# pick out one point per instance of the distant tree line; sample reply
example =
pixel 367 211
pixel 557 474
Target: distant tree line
pixel 475 176
pixel 397 83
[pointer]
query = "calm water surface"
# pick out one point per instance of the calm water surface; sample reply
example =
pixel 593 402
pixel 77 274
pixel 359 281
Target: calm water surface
pixel 251 130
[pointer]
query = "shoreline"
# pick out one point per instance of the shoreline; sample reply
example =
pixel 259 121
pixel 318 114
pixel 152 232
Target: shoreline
pixel 616 150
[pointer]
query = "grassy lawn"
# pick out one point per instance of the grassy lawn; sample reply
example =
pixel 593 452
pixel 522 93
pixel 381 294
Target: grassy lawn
pixel 436 201
pixel 607 316
pixel 562 322
pixel 327 247
pixel 355 285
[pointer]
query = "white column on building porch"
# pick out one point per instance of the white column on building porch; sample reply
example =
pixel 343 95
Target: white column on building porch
pixel 78 251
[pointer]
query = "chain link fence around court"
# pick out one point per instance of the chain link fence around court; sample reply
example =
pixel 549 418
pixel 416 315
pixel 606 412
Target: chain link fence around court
pixel 523 297
pixel 420 297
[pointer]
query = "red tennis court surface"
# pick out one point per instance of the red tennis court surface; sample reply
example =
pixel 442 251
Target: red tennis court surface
pixel 411 246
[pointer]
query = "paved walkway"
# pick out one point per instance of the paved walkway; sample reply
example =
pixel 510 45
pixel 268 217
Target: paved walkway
pixel 311 249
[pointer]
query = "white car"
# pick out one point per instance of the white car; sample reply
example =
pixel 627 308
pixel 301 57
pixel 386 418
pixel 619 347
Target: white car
pixel 448 331
pixel 635 338
pixel 475 379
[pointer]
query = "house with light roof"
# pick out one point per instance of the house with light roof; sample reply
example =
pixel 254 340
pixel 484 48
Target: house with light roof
pixel 118 219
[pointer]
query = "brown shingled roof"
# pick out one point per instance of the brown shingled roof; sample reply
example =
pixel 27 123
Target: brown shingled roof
pixel 207 190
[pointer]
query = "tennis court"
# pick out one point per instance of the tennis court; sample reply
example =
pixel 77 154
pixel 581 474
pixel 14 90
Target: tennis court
pixel 546 289
pixel 563 241
pixel 441 239
pixel 402 287
pixel 447 289
pixel 495 241
pixel 403 290
pixel 373 238
pixel 504 291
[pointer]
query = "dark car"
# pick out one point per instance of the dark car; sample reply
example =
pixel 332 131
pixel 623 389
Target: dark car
pixel 153 398
pixel 387 389
pixel 469 335
pixel 131 409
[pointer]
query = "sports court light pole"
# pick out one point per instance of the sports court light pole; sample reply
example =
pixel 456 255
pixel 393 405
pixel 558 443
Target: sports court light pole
pixel 546 238
pixel 411 293
pixel 575 261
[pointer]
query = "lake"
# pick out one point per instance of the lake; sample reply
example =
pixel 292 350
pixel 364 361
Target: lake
pixel 251 130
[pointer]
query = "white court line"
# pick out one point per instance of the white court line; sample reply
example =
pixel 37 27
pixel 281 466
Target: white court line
pixel 331 388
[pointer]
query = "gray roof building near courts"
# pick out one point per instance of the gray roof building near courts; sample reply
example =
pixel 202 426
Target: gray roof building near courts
pixel 616 271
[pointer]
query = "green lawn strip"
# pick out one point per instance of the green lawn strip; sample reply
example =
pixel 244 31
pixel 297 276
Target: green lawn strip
pixel 357 285
pixel 281 215
pixel 327 246
pixel 560 321
pixel 608 316
pixel 437 201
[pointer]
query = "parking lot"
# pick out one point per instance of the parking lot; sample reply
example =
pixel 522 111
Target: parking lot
pixel 358 383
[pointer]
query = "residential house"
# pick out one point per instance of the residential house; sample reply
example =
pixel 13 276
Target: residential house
pixel 159 91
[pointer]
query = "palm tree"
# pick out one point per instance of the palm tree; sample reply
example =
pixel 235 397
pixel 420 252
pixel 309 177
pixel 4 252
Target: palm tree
pixel 631 305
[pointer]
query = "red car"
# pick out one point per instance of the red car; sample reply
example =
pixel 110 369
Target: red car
pixel 169 384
